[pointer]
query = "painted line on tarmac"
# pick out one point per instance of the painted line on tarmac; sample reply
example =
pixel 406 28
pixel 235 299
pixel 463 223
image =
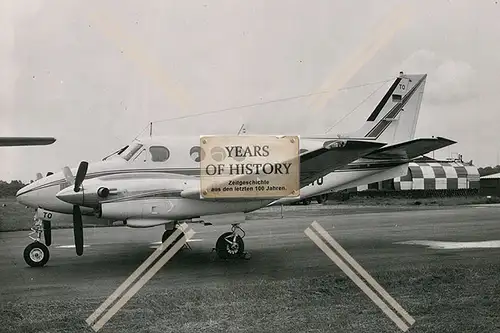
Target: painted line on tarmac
pixel 69 246
pixel 155 245
pixel 189 241
pixel 444 245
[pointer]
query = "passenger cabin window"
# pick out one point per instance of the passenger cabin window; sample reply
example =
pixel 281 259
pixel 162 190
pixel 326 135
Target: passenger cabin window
pixel 197 153
pixel 159 153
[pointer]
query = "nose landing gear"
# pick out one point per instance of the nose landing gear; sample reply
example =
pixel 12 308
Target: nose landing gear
pixel 37 254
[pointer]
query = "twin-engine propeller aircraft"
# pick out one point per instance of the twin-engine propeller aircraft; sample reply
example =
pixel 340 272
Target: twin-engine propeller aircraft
pixel 156 180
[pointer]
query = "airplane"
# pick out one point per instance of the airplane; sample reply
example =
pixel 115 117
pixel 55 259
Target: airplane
pixel 10 141
pixel 155 180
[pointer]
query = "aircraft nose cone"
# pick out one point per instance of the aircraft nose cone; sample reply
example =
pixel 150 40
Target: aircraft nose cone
pixel 25 196
pixel 70 196
pixel 20 192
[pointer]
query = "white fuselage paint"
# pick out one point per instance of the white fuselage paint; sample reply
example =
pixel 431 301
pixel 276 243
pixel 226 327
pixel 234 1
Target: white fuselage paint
pixel 42 193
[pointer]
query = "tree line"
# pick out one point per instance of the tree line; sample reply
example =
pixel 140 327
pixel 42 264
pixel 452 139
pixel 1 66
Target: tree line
pixel 10 189
pixel 488 170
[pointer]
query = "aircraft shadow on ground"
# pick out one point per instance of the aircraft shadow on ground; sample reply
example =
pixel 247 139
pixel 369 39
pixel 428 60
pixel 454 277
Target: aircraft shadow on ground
pixel 196 262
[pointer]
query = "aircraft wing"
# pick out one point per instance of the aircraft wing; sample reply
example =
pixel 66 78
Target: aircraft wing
pixel 319 162
pixel 410 149
pixel 25 141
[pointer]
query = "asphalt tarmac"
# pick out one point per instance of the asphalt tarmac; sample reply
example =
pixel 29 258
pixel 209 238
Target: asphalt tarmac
pixel 443 286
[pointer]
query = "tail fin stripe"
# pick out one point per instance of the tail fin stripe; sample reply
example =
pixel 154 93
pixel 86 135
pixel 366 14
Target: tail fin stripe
pixel 378 129
pixel 383 101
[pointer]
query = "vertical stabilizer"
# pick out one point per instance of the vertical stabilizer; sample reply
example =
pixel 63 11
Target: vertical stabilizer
pixel 395 117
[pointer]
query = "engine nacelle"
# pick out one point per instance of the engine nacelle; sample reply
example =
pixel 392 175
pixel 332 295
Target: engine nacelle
pixel 138 209
pixel 176 209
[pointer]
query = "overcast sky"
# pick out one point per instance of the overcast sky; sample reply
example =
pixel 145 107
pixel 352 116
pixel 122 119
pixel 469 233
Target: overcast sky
pixel 94 73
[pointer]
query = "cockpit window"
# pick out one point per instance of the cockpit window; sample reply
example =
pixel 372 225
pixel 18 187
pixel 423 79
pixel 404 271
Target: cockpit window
pixel 141 156
pixel 159 153
pixel 118 152
pixel 130 151
pixel 122 150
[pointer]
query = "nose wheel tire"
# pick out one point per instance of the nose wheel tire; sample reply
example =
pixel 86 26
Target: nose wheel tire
pixel 36 254
pixel 230 247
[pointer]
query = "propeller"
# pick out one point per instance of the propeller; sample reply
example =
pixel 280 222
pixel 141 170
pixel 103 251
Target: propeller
pixel 77 213
pixel 78 229
pixel 80 175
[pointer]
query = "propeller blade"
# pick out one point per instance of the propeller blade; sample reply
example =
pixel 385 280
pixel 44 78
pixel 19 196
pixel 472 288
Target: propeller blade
pixel 78 229
pixel 80 175
pixel 68 175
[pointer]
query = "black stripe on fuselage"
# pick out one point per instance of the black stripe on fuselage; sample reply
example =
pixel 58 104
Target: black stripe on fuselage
pixel 146 195
pixel 179 171
pixel 383 101
pixel 196 172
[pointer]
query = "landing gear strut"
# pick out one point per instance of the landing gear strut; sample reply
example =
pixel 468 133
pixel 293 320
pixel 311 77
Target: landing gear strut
pixel 168 233
pixel 230 245
pixel 37 254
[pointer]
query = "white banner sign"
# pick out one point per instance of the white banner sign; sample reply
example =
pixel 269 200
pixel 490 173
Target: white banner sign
pixel 246 166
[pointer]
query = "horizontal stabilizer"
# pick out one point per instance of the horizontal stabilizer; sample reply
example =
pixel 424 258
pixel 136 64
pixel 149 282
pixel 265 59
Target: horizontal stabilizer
pixel 334 155
pixel 316 163
pixel 410 149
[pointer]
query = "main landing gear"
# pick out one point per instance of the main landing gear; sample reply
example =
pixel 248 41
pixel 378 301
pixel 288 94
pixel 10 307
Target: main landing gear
pixel 230 245
pixel 169 232
pixel 37 254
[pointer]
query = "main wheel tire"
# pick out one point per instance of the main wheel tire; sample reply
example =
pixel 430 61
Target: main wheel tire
pixel 321 199
pixel 225 250
pixel 36 254
pixel 169 233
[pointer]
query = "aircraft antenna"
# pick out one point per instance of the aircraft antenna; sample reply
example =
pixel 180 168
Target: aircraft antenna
pixel 242 129
pixel 279 100
pixel 151 129
pixel 356 107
